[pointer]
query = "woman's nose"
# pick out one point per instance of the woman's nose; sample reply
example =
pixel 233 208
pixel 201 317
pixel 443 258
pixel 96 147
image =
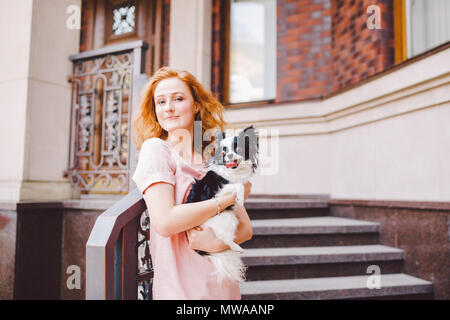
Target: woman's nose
pixel 170 106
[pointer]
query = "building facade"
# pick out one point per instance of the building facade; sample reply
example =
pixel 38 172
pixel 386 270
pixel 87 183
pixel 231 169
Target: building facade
pixel 351 99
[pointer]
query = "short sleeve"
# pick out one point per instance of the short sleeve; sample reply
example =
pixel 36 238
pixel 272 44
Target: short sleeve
pixel 154 164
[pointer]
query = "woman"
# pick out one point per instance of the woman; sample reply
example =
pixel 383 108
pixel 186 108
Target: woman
pixel 171 102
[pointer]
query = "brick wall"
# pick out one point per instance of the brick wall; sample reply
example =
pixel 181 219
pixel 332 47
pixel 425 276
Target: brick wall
pixel 359 52
pixel 303 49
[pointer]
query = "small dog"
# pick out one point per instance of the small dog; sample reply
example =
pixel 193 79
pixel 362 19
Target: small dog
pixel 234 162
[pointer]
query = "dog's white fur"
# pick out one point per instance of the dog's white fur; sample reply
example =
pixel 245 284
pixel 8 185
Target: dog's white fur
pixel 228 263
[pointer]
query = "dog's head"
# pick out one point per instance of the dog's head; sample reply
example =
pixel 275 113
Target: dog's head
pixel 238 153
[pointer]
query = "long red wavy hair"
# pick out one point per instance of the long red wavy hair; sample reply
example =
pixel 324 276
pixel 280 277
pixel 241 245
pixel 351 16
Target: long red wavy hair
pixel 146 125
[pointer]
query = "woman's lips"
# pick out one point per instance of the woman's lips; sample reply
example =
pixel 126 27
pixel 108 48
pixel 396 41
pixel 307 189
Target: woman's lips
pixel 172 118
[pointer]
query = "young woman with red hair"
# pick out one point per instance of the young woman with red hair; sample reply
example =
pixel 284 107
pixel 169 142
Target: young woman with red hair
pixel 172 100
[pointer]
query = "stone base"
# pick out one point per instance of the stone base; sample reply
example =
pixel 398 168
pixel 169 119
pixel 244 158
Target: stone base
pixel 421 229
pixel 8 227
pixel 30 242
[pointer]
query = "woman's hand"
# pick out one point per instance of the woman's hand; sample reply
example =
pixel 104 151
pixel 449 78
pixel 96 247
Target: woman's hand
pixel 247 189
pixel 204 239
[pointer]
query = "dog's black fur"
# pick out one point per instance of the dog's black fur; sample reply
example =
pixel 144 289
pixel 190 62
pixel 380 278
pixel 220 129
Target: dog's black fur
pixel 207 187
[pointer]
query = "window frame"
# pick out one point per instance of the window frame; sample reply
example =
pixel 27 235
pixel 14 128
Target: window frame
pixel 226 73
pixel 401 36
pixel 400 44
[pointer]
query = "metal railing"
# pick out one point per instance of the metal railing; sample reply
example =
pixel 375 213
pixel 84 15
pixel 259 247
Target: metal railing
pixel 118 262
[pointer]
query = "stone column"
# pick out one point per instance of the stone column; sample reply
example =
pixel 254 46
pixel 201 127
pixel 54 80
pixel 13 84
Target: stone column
pixel 35 104
pixel 190 38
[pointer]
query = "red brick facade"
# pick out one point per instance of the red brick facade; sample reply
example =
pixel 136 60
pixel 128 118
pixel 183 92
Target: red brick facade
pixel 303 49
pixel 322 46
pixel 359 52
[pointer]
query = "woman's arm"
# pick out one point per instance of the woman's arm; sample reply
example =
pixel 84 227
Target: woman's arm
pixel 244 231
pixel 205 239
pixel 169 219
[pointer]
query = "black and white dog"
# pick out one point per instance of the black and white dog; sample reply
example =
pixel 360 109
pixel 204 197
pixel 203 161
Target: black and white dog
pixel 235 161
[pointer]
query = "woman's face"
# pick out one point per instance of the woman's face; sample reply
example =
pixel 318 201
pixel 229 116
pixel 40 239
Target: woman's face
pixel 174 105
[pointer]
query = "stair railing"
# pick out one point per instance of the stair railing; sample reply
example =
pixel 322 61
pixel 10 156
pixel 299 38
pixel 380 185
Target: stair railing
pixel 118 262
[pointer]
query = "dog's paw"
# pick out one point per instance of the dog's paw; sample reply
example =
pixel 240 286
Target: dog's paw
pixel 235 247
pixel 240 194
pixel 228 188
pixel 237 189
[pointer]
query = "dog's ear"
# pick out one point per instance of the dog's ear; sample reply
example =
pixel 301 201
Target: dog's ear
pixel 247 131
pixel 253 147
pixel 248 141
pixel 250 131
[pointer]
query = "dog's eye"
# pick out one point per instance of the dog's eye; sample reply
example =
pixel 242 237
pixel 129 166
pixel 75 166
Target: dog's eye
pixel 224 149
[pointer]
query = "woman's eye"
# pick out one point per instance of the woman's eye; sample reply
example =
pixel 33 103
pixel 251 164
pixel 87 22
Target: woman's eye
pixel 160 101
pixel 179 99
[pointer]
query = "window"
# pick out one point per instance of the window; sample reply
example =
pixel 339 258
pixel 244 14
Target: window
pixel 252 55
pixel 427 25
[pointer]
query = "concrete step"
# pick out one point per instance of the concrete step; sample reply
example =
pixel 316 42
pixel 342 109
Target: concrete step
pixel 286 208
pixel 312 262
pixel 312 231
pixel 354 287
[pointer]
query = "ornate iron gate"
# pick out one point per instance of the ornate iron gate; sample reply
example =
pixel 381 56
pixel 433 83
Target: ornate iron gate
pixel 103 94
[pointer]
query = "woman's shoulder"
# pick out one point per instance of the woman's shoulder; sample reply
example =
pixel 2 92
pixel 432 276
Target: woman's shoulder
pixel 155 148
pixel 154 164
pixel 154 142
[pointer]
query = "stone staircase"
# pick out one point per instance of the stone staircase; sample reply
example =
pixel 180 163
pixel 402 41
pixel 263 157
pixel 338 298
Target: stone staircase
pixel 299 251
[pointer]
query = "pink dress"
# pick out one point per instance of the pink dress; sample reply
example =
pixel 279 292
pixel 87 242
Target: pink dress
pixel 179 272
